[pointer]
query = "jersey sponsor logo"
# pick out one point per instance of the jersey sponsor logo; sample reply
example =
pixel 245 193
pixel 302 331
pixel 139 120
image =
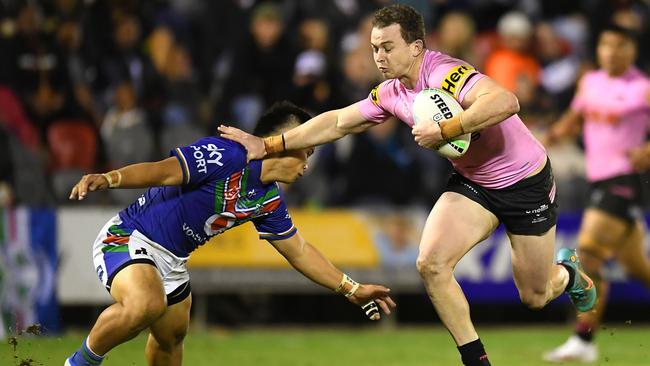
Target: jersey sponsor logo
pixel 212 156
pixel 455 79
pixel 538 210
pixel 374 95
pixel 189 232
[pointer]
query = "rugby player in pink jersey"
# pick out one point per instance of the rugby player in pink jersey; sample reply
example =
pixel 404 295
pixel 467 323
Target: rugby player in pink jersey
pixel 612 108
pixel 504 177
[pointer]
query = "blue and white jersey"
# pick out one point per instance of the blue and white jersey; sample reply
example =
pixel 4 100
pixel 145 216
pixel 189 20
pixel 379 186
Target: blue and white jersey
pixel 219 191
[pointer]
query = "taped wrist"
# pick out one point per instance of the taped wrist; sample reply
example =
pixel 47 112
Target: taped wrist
pixel 347 286
pixel 274 144
pixel 451 128
pixel 114 178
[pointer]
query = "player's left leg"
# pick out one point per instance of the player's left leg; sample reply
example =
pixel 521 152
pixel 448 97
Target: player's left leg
pixel 538 279
pixel 165 343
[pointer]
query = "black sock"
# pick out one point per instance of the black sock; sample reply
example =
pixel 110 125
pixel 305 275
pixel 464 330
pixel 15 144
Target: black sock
pixel 572 276
pixel 473 354
pixel 586 336
pixel 585 331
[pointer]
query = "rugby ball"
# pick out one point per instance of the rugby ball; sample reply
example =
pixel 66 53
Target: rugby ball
pixel 438 105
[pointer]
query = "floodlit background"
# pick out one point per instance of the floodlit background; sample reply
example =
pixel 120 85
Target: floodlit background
pixel 91 85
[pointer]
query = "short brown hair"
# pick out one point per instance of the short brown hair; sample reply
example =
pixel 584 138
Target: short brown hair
pixel 409 20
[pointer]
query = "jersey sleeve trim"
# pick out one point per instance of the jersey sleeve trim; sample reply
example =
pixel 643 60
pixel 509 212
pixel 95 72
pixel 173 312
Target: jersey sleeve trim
pixel 278 236
pixel 184 166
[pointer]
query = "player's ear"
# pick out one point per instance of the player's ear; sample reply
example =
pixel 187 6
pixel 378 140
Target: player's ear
pixel 417 47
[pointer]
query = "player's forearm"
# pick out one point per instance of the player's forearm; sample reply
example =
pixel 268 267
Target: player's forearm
pixel 489 109
pixel 567 126
pixel 317 131
pixel 145 175
pixel 313 265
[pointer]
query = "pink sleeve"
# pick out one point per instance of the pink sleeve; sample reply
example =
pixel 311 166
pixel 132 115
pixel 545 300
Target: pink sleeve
pixel 372 108
pixel 474 78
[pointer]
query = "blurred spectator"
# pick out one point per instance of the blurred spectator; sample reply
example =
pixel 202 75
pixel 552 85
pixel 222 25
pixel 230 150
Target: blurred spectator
pixel 70 38
pixel 127 61
pixel 513 66
pixel 560 67
pixel 15 121
pixel 377 167
pixel 455 37
pixel 124 115
pixel 396 240
pixel 314 72
pixel 263 66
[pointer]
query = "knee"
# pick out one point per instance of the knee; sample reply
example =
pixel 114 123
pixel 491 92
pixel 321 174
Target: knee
pixel 433 269
pixel 171 339
pixel 142 313
pixel 534 300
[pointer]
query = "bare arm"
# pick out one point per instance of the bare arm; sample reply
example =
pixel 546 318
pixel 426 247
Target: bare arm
pixel 313 265
pixel 160 173
pixel 487 104
pixel 326 127
pixel 569 125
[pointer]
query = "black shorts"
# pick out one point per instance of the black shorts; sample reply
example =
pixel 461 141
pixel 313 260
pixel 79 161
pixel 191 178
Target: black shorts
pixel 527 207
pixel 619 196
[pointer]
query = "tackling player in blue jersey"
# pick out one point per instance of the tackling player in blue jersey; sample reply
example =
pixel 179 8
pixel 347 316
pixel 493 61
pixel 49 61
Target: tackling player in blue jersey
pixel 202 190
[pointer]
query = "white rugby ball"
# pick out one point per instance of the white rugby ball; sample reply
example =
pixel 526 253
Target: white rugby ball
pixel 438 105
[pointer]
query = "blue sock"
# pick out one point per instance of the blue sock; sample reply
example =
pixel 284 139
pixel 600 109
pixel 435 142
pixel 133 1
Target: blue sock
pixel 85 357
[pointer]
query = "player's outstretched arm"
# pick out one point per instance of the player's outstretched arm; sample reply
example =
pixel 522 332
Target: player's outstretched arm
pixel 326 127
pixel 165 172
pixel 569 125
pixel 313 265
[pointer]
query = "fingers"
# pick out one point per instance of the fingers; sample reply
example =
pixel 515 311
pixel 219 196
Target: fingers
pixel 82 187
pixel 74 193
pixel 386 305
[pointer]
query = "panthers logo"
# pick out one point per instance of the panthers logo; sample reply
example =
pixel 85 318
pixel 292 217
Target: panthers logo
pixel 374 95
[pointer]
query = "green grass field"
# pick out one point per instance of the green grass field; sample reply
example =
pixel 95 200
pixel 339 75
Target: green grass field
pixel 619 345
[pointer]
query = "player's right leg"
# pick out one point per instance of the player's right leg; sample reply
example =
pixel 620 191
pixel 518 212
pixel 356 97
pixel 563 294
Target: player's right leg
pixel 455 225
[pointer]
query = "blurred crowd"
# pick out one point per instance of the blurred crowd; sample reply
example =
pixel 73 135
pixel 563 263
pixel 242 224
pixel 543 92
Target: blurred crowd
pixel 97 84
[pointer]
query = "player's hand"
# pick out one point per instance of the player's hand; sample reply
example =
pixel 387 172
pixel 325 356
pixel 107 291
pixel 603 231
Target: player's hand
pixel 640 159
pixel 371 298
pixel 254 145
pixel 427 134
pixel 88 183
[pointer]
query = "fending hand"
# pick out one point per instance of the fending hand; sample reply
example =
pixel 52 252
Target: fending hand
pixel 371 298
pixel 88 183
pixel 254 145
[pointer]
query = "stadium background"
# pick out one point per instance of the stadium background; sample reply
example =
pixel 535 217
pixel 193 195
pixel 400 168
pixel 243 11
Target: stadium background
pixel 94 85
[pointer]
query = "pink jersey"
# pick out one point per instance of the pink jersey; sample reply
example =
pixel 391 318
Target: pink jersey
pixel 616 119
pixel 499 155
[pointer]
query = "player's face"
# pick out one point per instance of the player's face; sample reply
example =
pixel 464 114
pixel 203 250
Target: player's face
pixel 615 52
pixel 393 56
pixel 294 164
